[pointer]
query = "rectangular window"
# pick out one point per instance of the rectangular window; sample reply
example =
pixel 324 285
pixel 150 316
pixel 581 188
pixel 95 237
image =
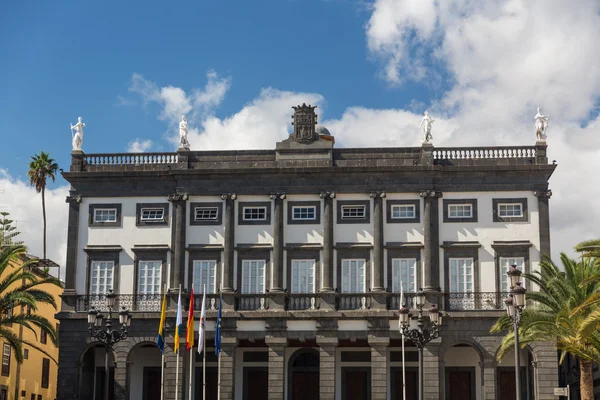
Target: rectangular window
pixel 253 276
pixel 43 336
pixel 460 211
pixel 26 354
pixel 404 270
pixel 461 275
pixel 303 276
pixel 353 212
pixel 149 277
pixel 255 213
pixel 39 397
pixel 304 213
pixel 204 273
pixel 153 214
pixel 102 275
pixel 32 396
pixel 403 211
pixel 45 373
pixel 510 210
pixel 505 264
pixel 102 215
pixel 206 213
pixel 6 360
pixel 353 276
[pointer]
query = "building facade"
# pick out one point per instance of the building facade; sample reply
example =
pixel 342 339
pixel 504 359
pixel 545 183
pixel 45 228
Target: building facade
pixel 308 245
pixel 36 377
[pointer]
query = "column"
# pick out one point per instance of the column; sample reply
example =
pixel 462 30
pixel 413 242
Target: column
pixel 328 261
pixel 228 345
pixel 327 347
pixel 379 367
pixel 432 371
pixel 276 366
pixel 121 366
pixel 277 283
pixel 489 379
pixel 70 292
pixel 378 241
pixel 179 202
pixel 229 248
pixel 431 254
pixel 545 370
pixel 544 217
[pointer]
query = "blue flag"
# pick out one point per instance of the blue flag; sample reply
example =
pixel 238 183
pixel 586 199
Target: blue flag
pixel 218 332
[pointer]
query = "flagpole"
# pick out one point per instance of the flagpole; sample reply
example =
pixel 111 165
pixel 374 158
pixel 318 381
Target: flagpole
pixel 219 380
pixel 403 361
pixel 203 350
pixel 191 352
pixel 177 364
pixel 162 365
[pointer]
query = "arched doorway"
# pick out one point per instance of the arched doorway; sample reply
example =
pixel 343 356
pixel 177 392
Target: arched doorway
pixel 144 372
pixel 92 373
pixel 303 376
pixel 463 375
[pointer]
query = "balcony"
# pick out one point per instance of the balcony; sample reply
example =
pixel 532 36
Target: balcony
pixel 474 301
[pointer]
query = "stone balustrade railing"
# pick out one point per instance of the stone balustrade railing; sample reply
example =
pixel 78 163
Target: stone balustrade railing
pixel 457 153
pixel 130 158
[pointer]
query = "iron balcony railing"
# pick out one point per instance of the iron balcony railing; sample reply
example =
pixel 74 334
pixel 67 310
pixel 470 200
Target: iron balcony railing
pixel 467 301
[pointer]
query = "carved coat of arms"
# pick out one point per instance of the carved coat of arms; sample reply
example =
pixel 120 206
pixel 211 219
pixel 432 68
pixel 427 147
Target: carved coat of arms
pixel 304 123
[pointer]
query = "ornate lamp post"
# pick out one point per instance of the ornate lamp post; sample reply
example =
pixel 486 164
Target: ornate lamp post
pixel 514 308
pixel 106 334
pixel 421 336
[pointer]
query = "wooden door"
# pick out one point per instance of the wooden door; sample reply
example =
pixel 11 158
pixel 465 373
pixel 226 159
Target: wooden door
pixel 412 382
pixel 460 383
pixel 100 383
pixel 305 385
pixel 256 383
pixel 356 383
pixel 506 386
pixel 211 383
pixel 152 377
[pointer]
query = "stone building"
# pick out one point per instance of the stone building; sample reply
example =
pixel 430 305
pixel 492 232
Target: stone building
pixel 307 244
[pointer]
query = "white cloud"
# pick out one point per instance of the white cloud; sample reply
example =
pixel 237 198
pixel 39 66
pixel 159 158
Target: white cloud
pixel 139 145
pixel 25 208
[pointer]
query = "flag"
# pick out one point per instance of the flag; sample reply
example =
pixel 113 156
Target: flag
pixel 178 323
pixel 189 336
pixel 161 326
pixel 218 332
pixel 202 323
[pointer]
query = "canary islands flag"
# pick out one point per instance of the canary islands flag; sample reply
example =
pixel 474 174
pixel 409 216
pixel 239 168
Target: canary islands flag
pixel 161 326
pixel 178 324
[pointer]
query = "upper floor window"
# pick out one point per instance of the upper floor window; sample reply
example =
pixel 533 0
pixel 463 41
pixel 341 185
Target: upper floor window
pixel 43 336
pixel 253 276
pixel 404 274
pixel 105 214
pixel 102 215
pixel 461 275
pixel 510 210
pixel 206 213
pixel 152 214
pixel 45 373
pixel 460 210
pixel 353 211
pixel 6 359
pixel 403 211
pixel 304 213
pixel 149 277
pixel 255 213
pixel 303 276
pixel 101 277
pixel 505 264
pixel 353 276
pixel 204 273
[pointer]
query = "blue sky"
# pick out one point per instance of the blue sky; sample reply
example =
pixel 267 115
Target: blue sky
pixel 131 68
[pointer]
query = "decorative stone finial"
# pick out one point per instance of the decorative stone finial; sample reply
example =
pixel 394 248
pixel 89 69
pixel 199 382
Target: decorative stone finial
pixel 426 124
pixel 77 136
pixel 541 125
pixel 304 123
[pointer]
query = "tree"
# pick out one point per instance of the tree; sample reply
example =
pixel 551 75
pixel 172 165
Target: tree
pixel 21 287
pixel 589 248
pixel 7 231
pixel 41 168
pixel 557 315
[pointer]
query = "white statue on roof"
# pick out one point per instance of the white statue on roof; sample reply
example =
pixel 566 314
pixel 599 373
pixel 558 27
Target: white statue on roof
pixel 183 132
pixel 426 124
pixel 541 124
pixel 77 136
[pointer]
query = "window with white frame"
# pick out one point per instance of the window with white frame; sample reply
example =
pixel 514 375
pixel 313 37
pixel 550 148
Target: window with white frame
pixel 152 214
pixel 253 276
pixel 204 273
pixel 105 215
pixel 460 211
pixel 461 275
pixel 149 277
pixel 303 276
pixel 206 213
pixel 255 213
pixel 404 270
pixel 304 213
pixel 505 264
pixel 353 212
pixel 510 210
pixel 101 277
pixel 403 211
pixel 353 276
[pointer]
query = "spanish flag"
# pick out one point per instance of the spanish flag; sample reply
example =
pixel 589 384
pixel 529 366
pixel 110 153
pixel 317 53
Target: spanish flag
pixel 189 337
pixel 178 324
pixel 163 315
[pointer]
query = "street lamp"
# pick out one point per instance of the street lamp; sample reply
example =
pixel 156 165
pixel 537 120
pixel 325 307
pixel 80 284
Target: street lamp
pixel 514 308
pixel 421 336
pixel 107 335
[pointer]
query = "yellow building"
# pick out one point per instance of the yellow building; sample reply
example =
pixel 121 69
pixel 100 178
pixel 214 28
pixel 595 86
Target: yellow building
pixel 36 377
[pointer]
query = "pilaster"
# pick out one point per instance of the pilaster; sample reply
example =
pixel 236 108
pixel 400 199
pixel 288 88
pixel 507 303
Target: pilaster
pixel 171 364
pixel 544 218
pixel 70 292
pixel 229 248
pixel 228 345
pixel 179 202
pixel 431 371
pixel 378 241
pixel 278 240
pixel 327 348
pixel 431 270
pixel 379 366
pixel 489 379
pixel 545 369
pixel 328 260
pixel 276 366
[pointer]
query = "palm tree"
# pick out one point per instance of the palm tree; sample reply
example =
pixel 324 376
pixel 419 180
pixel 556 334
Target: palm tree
pixel 557 315
pixel 41 168
pixel 21 288
pixel 589 248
